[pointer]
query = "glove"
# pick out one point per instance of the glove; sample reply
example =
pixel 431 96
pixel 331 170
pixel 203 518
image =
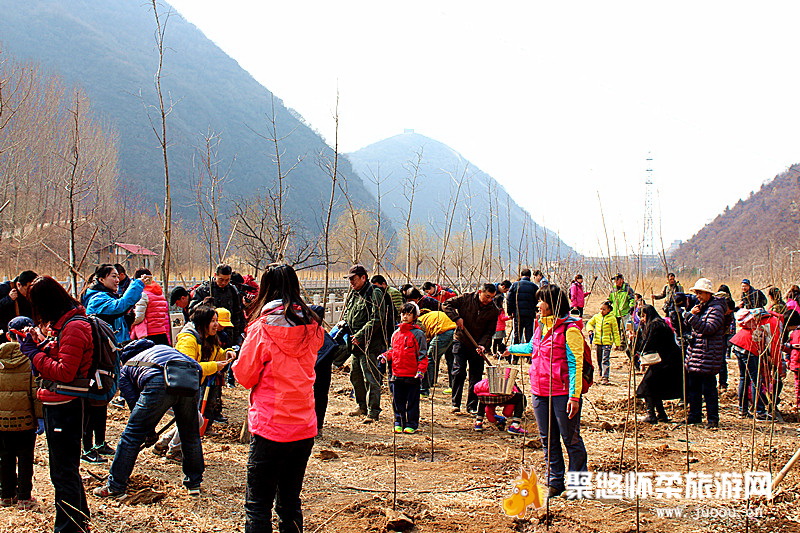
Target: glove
pixel 39 426
pixel 29 347
pixel 419 375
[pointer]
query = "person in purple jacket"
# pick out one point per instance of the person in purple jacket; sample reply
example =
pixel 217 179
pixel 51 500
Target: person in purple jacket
pixel 705 353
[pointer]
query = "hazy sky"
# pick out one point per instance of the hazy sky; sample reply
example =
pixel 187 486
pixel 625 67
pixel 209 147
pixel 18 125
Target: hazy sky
pixel 559 101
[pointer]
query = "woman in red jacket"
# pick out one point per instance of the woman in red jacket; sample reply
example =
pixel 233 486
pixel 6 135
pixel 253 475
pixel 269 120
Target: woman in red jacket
pixel 63 360
pixel 277 363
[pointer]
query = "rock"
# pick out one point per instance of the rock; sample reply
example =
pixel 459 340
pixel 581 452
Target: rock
pixel 605 426
pixel 535 444
pixel 397 521
pixel 327 455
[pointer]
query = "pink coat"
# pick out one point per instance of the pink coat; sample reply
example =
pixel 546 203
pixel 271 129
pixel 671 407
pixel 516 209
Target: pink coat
pixel 277 363
pixel 577 296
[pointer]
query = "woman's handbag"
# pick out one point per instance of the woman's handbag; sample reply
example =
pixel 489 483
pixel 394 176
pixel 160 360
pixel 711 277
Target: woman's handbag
pixel 182 377
pixel 650 358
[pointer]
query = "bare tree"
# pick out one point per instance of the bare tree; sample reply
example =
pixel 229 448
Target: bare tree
pixel 331 168
pixel 409 192
pixel 208 189
pixel 160 132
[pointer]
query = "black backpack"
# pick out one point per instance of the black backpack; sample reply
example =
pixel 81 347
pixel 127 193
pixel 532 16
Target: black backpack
pixel 102 381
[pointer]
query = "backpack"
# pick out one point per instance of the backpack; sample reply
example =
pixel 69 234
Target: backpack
pixel 102 381
pixel 588 367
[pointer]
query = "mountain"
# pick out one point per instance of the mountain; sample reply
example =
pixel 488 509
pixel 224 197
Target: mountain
pixel 757 232
pixel 391 162
pixel 107 47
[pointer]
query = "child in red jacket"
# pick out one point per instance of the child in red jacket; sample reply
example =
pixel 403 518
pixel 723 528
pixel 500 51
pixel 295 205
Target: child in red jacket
pixel 409 359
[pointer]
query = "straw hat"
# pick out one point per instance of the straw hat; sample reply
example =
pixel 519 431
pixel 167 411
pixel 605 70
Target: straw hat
pixel 703 285
pixel 224 317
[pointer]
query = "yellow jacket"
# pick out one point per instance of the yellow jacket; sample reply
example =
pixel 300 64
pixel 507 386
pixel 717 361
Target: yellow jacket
pixel 606 331
pixel 436 322
pixel 187 344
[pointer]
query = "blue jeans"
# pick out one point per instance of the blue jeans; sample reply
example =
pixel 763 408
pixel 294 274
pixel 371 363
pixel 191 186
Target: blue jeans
pixel 603 359
pixel 700 387
pixel 554 408
pixel 151 406
pixel 440 345
pixel 749 382
pixel 64 428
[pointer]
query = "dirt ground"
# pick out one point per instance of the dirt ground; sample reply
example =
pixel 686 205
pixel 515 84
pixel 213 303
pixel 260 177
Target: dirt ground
pixel 350 476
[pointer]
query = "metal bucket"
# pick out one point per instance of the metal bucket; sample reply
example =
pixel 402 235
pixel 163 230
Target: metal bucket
pixel 501 379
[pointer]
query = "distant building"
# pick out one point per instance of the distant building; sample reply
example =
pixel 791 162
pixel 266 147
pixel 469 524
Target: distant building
pixel 127 255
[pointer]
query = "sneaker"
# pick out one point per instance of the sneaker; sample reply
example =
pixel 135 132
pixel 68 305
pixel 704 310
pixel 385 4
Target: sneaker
pixel 93 457
pixel 398 429
pixel 516 429
pixel 448 390
pixel 357 412
pixel 7 502
pixel 221 419
pixel 118 402
pixel 478 426
pixel 104 449
pixel 369 420
pixel 104 491
pixel 424 394
pixel 455 410
pixel 712 425
pixel 175 456
pixel 30 503
pixel 553 492
pixel 193 491
pixel 409 431
pixel 604 381
pixel 649 419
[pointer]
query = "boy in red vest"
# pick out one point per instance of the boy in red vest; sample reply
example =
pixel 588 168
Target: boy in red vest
pixel 409 359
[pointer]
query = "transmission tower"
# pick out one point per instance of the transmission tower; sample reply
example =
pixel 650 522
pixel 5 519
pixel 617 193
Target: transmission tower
pixel 647 237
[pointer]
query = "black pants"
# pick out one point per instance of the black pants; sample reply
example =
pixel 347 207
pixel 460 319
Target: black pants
pixel 16 463
pixel 160 338
pixel 64 426
pixel 322 386
pixel 213 408
pixel 94 432
pixel 701 387
pixel 523 327
pixel 275 470
pixel 464 355
pixel 405 400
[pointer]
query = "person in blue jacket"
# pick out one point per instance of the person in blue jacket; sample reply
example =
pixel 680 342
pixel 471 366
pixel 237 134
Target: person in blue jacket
pixel 101 299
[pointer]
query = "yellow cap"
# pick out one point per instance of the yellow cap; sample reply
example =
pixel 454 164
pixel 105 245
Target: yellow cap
pixel 224 317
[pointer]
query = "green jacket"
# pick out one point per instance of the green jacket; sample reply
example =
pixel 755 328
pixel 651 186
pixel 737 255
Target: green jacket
pixel 368 313
pixel 397 298
pixel 622 300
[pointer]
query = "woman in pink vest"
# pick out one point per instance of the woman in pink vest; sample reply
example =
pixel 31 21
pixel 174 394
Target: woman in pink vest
pixel 151 312
pixel 277 362
pixel 557 351
pixel 577 296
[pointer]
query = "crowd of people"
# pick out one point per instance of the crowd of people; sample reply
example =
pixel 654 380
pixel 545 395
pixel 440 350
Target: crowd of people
pixel 267 338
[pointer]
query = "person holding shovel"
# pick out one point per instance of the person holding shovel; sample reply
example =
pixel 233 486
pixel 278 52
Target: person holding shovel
pixel 475 315
pixel 557 351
